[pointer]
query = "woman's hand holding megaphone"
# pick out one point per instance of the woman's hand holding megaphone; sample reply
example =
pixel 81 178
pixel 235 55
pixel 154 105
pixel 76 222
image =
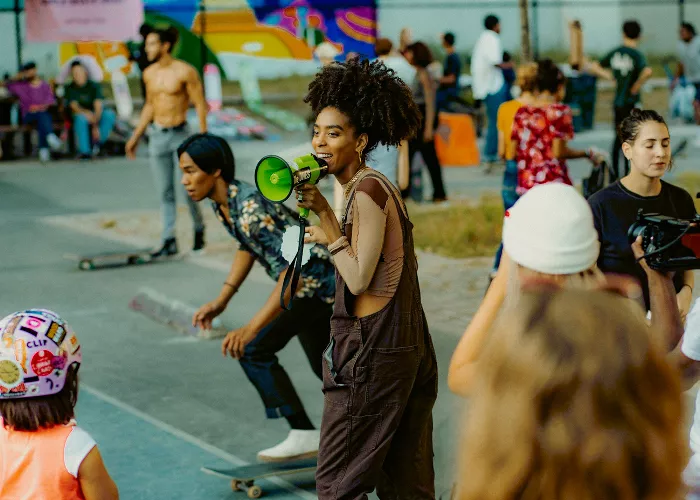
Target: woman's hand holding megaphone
pixel 308 196
pixel 315 234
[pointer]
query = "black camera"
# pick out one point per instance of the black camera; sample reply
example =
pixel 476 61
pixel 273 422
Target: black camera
pixel 669 244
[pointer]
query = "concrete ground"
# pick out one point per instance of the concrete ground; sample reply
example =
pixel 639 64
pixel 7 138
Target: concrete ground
pixel 162 405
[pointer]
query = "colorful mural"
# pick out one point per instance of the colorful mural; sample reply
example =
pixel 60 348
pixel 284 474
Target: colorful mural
pixel 277 36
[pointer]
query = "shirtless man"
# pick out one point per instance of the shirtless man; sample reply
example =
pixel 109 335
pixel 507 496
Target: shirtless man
pixel 171 85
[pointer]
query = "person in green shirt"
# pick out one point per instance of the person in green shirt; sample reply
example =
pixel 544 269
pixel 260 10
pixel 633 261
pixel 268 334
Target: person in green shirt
pixel 627 66
pixel 92 122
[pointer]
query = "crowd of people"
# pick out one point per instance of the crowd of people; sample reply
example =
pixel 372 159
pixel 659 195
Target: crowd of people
pixel 574 363
pixel 79 115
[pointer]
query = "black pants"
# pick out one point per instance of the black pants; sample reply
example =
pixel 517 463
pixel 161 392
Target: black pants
pixel 427 151
pixel 620 114
pixel 310 320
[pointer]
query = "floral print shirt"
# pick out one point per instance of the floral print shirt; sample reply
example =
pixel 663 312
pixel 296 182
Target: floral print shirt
pixel 258 226
pixel 534 131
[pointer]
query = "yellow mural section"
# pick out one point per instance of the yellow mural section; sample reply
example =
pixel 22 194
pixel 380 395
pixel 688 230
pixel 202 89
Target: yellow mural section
pixel 238 32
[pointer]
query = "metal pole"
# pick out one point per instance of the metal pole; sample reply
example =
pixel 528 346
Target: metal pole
pixel 535 30
pixel 203 30
pixel 681 11
pixel 18 34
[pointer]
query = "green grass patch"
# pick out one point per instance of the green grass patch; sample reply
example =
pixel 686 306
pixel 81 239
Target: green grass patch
pixel 459 230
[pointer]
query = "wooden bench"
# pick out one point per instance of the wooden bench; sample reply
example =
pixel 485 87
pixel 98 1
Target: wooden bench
pixel 27 139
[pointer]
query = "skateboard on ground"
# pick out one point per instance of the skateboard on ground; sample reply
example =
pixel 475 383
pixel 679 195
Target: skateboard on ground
pixel 112 259
pixel 243 478
pixel 119 259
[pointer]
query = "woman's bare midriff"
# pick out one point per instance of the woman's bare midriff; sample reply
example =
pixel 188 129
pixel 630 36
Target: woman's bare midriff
pixel 367 304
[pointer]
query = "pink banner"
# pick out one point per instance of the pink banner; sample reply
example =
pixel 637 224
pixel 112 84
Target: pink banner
pixel 82 20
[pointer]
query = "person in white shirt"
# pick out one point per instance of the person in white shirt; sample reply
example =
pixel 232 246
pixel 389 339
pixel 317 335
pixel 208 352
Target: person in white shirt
pixel 488 84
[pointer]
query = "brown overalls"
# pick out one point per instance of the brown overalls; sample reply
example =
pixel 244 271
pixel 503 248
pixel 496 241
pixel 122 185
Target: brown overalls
pixel 379 384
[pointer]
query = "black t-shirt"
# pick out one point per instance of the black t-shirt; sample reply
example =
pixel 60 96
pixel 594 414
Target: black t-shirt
pixel 453 66
pixel 615 210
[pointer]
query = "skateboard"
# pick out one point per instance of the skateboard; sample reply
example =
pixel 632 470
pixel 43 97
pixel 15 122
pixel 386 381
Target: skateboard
pixel 122 95
pixel 679 148
pixel 212 87
pixel 243 478
pixel 112 259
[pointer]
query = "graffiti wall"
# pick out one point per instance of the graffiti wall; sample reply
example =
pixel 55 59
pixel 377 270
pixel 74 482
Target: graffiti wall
pixel 276 37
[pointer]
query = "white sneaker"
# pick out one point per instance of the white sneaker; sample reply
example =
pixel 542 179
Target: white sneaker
pixel 298 445
pixel 44 155
pixel 54 142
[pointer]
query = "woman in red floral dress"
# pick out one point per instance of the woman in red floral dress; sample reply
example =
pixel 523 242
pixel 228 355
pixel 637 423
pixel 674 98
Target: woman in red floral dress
pixel 541 132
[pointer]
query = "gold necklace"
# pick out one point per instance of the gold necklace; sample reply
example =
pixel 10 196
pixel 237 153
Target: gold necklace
pixel 350 184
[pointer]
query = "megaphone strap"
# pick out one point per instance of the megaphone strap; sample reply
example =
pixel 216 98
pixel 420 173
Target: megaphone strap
pixel 295 268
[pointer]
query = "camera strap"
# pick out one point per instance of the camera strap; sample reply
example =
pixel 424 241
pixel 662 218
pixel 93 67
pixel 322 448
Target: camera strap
pixel 294 270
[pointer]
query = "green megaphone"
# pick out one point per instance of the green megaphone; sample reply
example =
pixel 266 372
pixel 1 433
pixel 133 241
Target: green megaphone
pixel 276 178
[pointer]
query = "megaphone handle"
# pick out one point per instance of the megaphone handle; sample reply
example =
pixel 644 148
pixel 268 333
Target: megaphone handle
pixel 294 267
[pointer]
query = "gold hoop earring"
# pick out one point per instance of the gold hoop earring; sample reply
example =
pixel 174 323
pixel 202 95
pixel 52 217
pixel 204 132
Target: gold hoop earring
pixel 359 154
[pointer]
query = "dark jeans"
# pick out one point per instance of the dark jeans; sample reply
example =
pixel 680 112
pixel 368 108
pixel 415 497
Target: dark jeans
pixel 44 125
pixel 493 102
pixel 427 151
pixel 310 320
pixel 620 114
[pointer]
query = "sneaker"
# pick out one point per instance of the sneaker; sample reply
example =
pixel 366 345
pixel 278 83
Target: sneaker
pixel 168 249
pixel 297 446
pixel 198 241
pixel 44 155
pixel 54 142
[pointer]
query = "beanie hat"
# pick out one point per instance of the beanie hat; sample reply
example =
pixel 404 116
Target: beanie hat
pixel 550 230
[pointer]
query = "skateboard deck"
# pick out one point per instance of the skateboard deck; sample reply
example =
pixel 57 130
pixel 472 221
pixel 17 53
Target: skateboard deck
pixel 243 478
pixel 212 87
pixel 112 259
pixel 122 95
pixel 679 148
pixel 118 259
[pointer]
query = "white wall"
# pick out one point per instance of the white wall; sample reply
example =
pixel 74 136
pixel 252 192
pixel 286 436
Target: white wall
pixel 44 54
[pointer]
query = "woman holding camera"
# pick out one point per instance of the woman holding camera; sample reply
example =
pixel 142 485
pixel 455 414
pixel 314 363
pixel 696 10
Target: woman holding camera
pixel 646 143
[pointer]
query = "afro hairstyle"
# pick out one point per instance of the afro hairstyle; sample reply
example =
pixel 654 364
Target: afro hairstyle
pixel 375 100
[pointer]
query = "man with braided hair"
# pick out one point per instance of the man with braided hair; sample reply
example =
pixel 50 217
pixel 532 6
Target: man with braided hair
pixel 380 371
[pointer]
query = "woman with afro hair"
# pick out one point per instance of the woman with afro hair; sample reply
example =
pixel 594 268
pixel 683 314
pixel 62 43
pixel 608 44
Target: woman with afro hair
pixel 379 370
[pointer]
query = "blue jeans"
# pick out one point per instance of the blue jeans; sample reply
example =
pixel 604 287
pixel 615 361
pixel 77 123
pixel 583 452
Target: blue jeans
pixel 162 149
pixel 510 182
pixel 310 320
pixel 83 137
pixel 444 97
pixel 44 125
pixel 493 102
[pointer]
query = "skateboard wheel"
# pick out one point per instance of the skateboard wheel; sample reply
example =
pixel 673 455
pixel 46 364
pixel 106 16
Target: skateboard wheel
pixel 85 265
pixel 235 485
pixel 254 492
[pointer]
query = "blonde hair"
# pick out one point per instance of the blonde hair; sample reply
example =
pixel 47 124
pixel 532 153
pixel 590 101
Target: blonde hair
pixel 574 400
pixel 526 77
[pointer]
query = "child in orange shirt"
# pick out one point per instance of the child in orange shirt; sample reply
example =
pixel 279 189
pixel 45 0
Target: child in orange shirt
pixel 526 77
pixel 44 455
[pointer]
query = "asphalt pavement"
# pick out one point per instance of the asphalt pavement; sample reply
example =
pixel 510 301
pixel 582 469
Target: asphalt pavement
pixel 162 405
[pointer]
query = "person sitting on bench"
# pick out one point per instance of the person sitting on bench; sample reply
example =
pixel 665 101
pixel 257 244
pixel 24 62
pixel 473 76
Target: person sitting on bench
pixel 35 98
pixel 92 122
